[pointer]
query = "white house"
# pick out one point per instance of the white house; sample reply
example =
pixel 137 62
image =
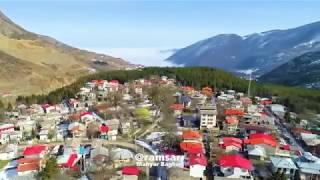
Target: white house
pixel 197 170
pixel 257 152
pixel 121 155
pixel 86 117
pixel 112 134
pixel 138 89
pixel 4 138
pixel 47 108
pixel 6 128
pixel 197 166
pixel 9 152
pixel 309 166
pixel 44 135
pixel 125 126
pixel 235 166
pixel 278 109
pixel 26 126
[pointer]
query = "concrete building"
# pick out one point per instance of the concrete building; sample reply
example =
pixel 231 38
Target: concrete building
pixel 208 117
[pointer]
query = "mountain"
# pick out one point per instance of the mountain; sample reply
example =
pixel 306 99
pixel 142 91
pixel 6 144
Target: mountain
pixel 33 63
pixel 259 52
pixel 301 71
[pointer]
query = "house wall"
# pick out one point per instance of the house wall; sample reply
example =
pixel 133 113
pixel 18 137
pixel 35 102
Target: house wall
pixel 288 172
pixel 208 121
pixel 232 148
pixel 197 170
pixel 7 155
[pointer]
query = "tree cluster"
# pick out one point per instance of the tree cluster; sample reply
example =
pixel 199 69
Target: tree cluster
pixel 297 99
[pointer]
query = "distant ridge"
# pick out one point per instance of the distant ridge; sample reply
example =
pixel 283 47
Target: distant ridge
pixel 261 52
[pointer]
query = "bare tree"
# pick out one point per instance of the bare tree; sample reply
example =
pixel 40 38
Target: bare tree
pixel 114 98
pixel 93 130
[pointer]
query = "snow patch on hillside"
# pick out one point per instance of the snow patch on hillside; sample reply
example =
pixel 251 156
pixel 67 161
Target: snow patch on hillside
pixel 315 62
pixel 248 71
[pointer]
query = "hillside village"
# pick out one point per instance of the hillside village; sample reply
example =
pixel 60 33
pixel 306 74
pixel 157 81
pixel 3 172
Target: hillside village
pixel 220 134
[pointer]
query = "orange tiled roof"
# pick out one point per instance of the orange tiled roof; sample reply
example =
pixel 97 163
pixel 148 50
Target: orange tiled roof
pixel 260 138
pixel 28 160
pixel 263 141
pixel 189 146
pixel 28 167
pixel 191 135
pixel 74 117
pixel 233 112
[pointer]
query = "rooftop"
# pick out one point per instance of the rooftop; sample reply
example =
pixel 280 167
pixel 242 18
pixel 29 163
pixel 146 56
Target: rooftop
pixel 282 162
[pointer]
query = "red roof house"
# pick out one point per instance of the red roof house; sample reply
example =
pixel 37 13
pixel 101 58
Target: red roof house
pixel 26 168
pixel 286 147
pixel 104 128
pixel 28 160
pixel 260 135
pixel 7 127
pixel 71 161
pixel 233 112
pixel 177 107
pixel 198 159
pixel 266 102
pixel 74 117
pixel 187 88
pixel 192 147
pixel 261 138
pixel 232 120
pixel 86 116
pixel 35 150
pixel 114 81
pixel 131 170
pixel 85 113
pixel 233 139
pixel 189 134
pixel 230 143
pixel 235 160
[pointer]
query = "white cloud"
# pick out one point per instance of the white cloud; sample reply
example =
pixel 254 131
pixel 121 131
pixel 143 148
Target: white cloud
pixel 144 56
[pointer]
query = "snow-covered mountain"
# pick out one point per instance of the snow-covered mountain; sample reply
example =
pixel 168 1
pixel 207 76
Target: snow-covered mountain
pixel 302 71
pixel 258 52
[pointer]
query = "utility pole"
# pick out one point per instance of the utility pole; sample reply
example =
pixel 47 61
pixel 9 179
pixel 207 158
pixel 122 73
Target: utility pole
pixel 249 86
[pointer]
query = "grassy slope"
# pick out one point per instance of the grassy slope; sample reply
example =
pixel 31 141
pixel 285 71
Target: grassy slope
pixel 36 64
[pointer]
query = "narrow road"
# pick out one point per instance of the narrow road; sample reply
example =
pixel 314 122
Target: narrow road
pixel 96 142
pixel 285 130
pixel 151 127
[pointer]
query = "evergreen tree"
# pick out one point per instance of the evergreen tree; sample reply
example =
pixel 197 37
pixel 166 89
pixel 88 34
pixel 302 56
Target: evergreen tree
pixel 1 105
pixel 297 175
pixel 9 107
pixel 50 170
pixel 1 110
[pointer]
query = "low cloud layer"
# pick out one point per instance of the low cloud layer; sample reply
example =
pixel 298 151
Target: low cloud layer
pixel 143 56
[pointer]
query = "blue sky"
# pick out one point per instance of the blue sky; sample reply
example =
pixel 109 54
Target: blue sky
pixel 144 24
